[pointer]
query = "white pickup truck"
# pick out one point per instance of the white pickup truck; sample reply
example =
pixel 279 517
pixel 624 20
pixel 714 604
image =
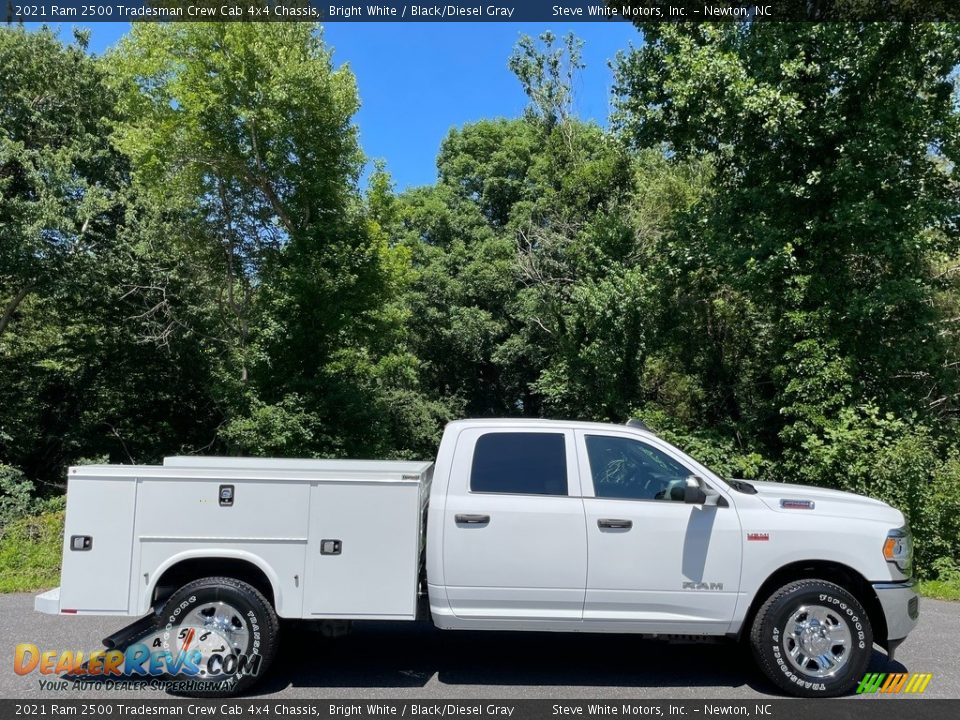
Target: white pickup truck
pixel 520 525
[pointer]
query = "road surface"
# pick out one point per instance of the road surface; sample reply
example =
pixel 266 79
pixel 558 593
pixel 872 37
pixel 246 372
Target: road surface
pixel 414 661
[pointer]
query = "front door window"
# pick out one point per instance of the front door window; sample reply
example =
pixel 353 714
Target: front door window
pixel 627 469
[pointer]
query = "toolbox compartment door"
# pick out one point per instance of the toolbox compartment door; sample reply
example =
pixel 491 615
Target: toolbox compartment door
pixel 363 553
pixel 97 545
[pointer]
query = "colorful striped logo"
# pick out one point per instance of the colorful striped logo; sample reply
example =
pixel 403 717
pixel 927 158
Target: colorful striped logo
pixel 894 682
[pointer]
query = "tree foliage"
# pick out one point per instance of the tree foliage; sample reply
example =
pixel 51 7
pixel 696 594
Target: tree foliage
pixel 252 125
pixel 759 257
pixel 827 243
pixel 833 197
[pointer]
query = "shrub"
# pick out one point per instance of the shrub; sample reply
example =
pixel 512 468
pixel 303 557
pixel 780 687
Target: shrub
pixel 946 586
pixel 894 460
pixel 16 495
pixel 30 553
pixel 719 452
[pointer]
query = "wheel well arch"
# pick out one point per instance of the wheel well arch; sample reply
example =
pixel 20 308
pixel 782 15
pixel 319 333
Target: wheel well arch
pixel 188 569
pixel 831 571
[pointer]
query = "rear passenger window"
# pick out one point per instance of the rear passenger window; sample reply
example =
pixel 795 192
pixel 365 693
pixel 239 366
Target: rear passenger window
pixel 520 464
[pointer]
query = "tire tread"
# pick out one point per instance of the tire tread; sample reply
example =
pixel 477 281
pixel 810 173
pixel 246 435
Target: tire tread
pixel 269 638
pixel 760 623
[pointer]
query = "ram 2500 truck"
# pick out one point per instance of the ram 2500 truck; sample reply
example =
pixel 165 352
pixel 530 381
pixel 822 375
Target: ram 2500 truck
pixel 527 525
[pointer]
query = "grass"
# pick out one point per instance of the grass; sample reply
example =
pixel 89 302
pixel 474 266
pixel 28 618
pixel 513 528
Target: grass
pixel 30 550
pixel 940 589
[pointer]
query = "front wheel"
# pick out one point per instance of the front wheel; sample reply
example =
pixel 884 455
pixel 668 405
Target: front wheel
pixel 230 630
pixel 812 638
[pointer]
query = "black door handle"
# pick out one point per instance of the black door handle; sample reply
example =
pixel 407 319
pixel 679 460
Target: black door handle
pixel 615 524
pixel 472 519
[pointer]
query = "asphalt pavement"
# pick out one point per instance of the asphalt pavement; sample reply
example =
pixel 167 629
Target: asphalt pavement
pixel 416 661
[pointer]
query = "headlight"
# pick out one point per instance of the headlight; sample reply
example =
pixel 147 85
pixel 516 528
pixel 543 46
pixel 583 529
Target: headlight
pixel 898 549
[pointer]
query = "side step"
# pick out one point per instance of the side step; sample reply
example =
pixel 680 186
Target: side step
pixel 120 640
pixel 125 636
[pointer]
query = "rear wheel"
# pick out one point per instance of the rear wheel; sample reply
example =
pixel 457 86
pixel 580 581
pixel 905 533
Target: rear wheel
pixel 812 639
pixel 231 624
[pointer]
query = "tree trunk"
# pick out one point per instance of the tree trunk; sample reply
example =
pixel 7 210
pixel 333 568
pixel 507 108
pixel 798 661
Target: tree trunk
pixel 12 306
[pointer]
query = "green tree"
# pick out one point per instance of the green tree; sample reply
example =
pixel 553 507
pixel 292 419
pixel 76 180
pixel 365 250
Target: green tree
pixel 537 256
pixel 79 376
pixel 832 197
pixel 245 132
pixel 246 128
pixel 58 174
pixel 813 282
pixel 547 73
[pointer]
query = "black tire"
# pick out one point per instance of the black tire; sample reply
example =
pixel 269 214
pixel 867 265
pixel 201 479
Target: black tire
pixel 256 624
pixel 804 621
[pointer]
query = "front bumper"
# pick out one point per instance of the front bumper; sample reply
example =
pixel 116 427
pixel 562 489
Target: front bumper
pixel 901 607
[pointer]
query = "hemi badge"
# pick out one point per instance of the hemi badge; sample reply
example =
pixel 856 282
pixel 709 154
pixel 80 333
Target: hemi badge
pixel 797 504
pixel 761 537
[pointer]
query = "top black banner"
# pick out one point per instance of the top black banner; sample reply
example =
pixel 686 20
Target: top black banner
pixel 90 11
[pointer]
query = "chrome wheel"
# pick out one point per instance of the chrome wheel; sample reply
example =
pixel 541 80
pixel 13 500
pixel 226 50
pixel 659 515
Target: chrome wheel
pixel 230 631
pixel 224 621
pixel 817 641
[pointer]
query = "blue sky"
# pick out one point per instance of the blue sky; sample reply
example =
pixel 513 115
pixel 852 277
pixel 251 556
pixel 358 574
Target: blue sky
pixel 418 80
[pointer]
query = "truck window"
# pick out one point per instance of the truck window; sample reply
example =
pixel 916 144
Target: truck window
pixel 632 470
pixel 519 464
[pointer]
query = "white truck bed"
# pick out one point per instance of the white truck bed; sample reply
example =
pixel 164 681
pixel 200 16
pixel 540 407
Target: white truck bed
pixel 285 517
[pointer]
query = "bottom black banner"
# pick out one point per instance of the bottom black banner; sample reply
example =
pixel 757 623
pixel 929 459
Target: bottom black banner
pixel 880 708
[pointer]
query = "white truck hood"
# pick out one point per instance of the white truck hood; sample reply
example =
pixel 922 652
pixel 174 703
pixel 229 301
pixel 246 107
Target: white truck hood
pixel 826 502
